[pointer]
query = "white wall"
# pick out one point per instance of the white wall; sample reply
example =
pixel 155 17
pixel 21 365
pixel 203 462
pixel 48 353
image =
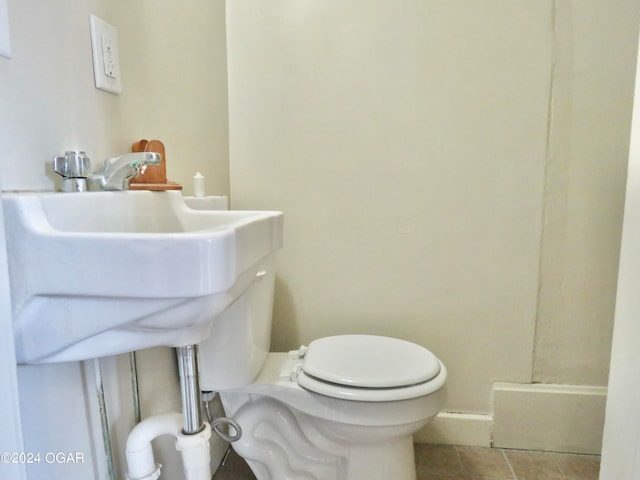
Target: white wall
pixel 406 147
pixel 592 94
pixel 176 88
pixel 173 65
pixel 451 173
pixel 173 80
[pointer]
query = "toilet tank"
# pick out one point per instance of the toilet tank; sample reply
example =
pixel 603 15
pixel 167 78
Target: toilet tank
pixel 234 353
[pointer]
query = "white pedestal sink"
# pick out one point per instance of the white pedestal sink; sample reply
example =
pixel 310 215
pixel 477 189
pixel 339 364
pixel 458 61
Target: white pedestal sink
pixel 103 273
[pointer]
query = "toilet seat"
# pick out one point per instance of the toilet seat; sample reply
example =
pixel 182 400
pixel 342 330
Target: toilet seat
pixel 368 368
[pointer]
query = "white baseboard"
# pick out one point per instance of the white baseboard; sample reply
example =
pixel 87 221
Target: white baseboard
pixel 457 429
pixel 555 418
pixel 558 418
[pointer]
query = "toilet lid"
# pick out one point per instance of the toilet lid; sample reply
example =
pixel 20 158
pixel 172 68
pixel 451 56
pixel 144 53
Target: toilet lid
pixel 369 361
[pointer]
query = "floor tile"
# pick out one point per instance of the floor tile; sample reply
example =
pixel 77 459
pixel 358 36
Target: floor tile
pixel 529 465
pixel 429 476
pixel 479 463
pixel 578 467
pixel 234 468
pixel 436 460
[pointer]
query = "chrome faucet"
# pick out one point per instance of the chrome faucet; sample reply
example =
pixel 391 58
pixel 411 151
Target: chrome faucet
pixel 115 173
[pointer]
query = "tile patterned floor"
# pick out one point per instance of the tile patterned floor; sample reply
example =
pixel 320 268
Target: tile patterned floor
pixel 448 462
pixel 445 462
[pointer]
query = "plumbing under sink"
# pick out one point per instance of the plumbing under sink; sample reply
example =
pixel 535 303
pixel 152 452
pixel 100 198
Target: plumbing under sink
pixel 105 273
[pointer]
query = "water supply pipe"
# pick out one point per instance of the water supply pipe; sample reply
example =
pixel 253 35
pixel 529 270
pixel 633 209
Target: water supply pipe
pixel 104 421
pixel 133 367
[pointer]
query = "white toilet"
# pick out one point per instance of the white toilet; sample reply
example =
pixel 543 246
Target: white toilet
pixel 343 408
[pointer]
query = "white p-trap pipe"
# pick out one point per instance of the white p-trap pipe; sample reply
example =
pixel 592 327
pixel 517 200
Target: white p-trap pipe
pixel 194 448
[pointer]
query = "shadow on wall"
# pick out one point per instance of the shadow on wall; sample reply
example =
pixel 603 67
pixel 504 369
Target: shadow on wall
pixel 284 331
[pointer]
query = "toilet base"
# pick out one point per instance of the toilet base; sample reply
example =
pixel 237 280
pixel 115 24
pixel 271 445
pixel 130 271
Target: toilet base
pixel 393 459
pixel 280 444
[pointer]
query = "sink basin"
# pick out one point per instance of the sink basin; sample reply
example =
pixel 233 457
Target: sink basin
pixel 103 273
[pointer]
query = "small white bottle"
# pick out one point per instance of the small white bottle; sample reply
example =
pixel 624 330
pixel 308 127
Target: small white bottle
pixel 198 185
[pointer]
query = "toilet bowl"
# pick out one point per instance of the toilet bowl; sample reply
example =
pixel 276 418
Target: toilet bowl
pixel 344 407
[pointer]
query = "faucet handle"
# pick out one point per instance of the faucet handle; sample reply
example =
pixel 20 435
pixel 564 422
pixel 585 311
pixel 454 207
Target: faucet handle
pixel 74 167
pixel 74 164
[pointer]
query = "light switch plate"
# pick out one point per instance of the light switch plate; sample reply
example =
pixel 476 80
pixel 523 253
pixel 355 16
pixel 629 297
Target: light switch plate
pixel 5 44
pixel 106 62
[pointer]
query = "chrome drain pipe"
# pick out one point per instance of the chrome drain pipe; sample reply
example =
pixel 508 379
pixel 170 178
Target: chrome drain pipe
pixel 192 440
pixel 190 389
